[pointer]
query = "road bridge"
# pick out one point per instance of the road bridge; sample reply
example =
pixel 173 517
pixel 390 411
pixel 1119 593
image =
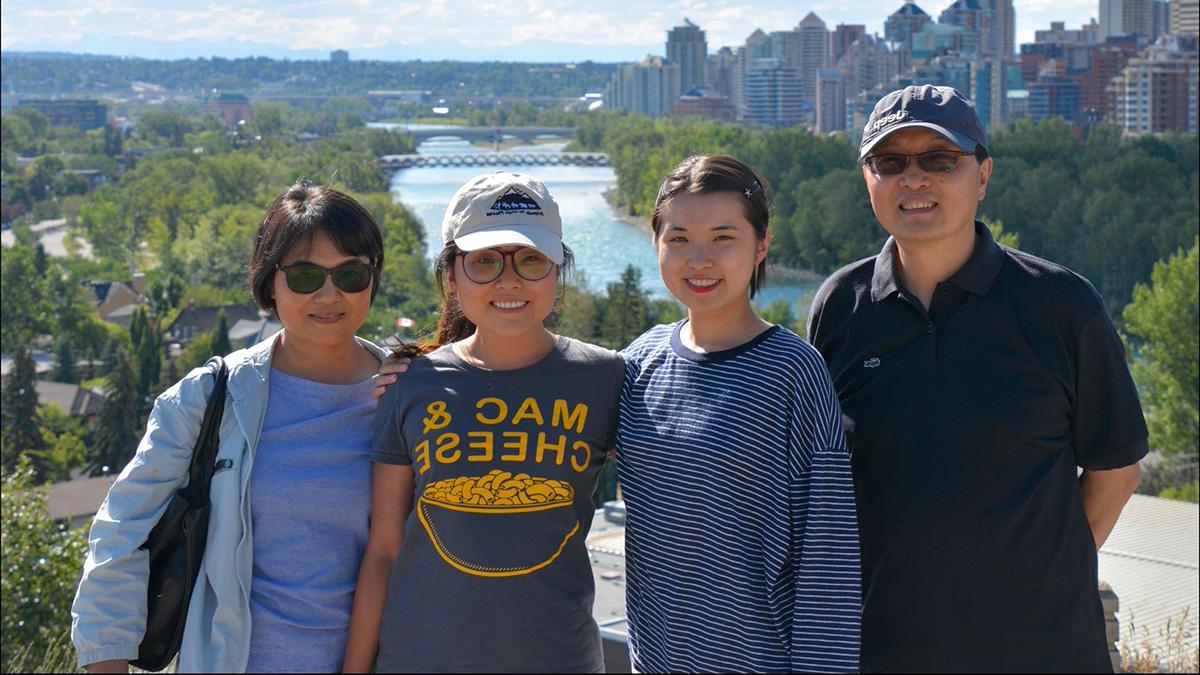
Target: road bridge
pixel 396 162
pixel 490 134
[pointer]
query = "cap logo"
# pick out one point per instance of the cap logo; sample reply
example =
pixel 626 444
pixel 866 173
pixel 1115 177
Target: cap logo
pixel 515 201
pixel 885 120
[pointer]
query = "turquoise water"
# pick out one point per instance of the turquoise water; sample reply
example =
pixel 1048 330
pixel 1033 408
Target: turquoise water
pixel 603 243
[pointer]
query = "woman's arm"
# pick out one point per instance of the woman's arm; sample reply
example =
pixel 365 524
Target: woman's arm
pixel 108 617
pixel 825 547
pixel 391 501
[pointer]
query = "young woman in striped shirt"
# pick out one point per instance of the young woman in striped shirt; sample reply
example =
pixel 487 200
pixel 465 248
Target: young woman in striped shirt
pixel 741 537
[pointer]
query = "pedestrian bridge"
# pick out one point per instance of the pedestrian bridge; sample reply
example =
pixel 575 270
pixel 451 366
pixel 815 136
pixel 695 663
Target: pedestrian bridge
pixel 396 162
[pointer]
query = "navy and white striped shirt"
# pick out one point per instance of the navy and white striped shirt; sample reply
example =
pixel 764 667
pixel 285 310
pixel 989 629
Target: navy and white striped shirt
pixel 741 538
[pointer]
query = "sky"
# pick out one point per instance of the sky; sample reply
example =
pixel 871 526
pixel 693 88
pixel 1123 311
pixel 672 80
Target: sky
pixel 473 30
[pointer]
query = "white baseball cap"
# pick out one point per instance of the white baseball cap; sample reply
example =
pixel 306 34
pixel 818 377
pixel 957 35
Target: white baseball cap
pixel 502 209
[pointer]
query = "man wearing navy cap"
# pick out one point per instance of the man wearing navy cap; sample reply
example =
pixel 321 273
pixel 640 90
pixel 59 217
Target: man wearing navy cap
pixel 976 381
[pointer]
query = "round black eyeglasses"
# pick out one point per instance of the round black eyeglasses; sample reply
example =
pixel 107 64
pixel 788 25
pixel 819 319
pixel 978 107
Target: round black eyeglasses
pixel 486 265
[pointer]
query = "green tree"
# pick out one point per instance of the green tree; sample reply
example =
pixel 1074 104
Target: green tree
pixel 779 311
pixel 91 337
pixel 195 353
pixel 625 315
pixel 163 294
pixel 38 123
pixel 65 449
pixel 146 340
pixel 20 432
pixel 41 566
pixel 16 135
pixel 576 312
pixel 1163 319
pixel 220 340
pixel 1009 239
pixel 65 355
pixel 119 420
pixel 268 118
pixel 24 314
pixel 112 236
pixel 165 126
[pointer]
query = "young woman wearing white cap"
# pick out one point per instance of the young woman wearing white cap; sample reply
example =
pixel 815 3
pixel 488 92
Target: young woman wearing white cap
pixel 485 461
pixel 741 541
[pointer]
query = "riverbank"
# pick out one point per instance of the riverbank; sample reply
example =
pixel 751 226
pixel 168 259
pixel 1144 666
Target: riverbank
pixel 775 270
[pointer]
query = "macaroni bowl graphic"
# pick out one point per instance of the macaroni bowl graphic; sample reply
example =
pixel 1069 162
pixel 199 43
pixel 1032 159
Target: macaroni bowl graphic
pixel 476 523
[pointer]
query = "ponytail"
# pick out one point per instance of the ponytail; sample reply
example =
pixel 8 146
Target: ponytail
pixel 453 325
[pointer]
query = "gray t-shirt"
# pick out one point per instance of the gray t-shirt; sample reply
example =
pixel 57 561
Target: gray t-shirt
pixel 493 574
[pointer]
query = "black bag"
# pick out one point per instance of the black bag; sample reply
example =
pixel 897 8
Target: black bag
pixel 176 544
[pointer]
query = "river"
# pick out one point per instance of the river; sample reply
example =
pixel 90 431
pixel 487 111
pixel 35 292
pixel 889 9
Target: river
pixel 603 242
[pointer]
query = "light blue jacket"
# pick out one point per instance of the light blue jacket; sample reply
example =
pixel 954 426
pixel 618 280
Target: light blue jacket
pixel 108 618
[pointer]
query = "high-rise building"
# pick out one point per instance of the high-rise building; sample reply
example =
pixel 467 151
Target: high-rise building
pixel 830 107
pixel 844 36
pixel 771 92
pixel 942 38
pixel 339 56
pixel 1160 18
pixel 648 87
pixel 814 53
pixel 785 44
pixel 1004 28
pixel 1053 96
pixel 1126 17
pixel 1157 90
pixel 974 18
pixel 867 64
pixel 688 48
pixel 1108 61
pixel 988 91
pixel 904 22
pixel 757 46
pixel 1185 17
pixel 721 72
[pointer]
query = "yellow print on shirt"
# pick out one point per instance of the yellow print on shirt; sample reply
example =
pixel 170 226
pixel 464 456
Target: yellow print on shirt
pixel 492 445
pixel 451 509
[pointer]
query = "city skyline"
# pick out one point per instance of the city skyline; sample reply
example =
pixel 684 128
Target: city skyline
pixel 373 29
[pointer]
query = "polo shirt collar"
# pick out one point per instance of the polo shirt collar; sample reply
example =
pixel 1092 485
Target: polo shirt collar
pixel 976 276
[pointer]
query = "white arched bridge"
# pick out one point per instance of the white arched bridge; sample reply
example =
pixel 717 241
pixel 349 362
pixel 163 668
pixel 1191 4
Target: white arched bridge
pixel 395 162
pixel 489 134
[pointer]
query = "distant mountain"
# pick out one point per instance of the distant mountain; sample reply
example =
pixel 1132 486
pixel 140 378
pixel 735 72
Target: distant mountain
pixel 543 51
pixel 62 55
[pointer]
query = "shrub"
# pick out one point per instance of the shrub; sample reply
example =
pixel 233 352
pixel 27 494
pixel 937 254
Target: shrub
pixel 42 559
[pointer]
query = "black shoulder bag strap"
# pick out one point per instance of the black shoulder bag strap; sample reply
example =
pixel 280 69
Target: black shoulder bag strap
pixel 204 455
pixel 176 544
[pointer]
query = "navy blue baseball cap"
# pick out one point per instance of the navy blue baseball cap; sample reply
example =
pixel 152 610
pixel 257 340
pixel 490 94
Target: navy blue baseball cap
pixel 942 109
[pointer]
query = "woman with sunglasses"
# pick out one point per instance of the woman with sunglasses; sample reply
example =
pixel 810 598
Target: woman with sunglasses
pixel 285 539
pixel 486 459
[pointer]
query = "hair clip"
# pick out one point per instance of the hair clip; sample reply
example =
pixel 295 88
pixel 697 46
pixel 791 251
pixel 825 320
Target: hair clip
pixel 754 187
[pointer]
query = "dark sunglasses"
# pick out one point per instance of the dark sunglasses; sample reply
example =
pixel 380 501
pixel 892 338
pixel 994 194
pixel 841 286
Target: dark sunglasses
pixel 486 265
pixel 306 277
pixel 934 161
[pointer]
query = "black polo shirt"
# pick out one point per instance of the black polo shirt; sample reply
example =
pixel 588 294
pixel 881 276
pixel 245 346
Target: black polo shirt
pixel 966 424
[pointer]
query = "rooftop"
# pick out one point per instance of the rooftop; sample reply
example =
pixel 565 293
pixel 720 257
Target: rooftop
pixel 1152 562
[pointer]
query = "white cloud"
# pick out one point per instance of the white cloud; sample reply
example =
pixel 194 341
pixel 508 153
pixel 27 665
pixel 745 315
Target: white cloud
pixel 368 24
